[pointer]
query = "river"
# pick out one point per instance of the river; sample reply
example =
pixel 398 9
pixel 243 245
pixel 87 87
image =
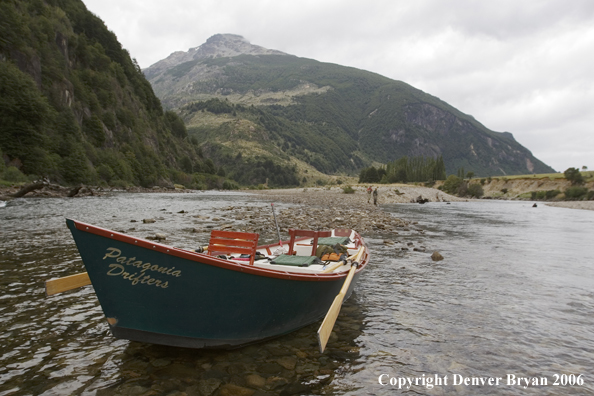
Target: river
pixel 509 311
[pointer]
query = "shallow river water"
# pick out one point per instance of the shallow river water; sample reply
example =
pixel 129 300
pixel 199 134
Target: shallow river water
pixel 509 311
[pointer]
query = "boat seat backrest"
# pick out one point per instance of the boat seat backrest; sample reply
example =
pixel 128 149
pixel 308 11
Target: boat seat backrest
pixel 228 242
pixel 343 232
pixel 303 233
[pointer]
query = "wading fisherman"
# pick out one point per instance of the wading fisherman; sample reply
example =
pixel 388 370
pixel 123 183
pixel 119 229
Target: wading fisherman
pixel 369 190
pixel 375 196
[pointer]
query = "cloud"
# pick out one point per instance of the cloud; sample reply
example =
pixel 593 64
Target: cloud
pixel 522 67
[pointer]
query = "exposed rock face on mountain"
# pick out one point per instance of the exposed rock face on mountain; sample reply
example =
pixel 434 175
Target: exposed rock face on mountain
pixel 232 94
pixel 217 46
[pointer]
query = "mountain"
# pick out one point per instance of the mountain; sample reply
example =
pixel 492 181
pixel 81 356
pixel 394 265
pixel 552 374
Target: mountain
pixel 243 101
pixel 76 108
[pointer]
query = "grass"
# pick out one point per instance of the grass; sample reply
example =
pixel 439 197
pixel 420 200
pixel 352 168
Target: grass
pixel 588 175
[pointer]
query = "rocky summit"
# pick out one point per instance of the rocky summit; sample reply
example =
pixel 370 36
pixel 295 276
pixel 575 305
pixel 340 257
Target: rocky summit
pixel 217 46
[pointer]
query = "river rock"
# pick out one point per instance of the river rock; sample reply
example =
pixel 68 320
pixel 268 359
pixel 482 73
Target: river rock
pixel 436 256
pixel 209 386
pixel 148 221
pixel 270 368
pixel 235 390
pixel 276 382
pixel 160 362
pixel 255 381
pixel 288 362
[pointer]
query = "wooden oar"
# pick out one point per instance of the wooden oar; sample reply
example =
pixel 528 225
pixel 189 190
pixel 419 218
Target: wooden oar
pixel 328 324
pixel 59 285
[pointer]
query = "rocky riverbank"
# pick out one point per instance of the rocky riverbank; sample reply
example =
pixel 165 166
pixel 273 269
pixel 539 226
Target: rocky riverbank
pixel 387 194
pixel 584 205
pixel 327 208
pixel 49 190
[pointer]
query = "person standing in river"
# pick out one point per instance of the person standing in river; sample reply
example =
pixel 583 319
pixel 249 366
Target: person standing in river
pixel 369 190
pixel 375 196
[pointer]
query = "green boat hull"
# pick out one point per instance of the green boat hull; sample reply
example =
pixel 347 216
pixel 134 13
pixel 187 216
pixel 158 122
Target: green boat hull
pixel 163 295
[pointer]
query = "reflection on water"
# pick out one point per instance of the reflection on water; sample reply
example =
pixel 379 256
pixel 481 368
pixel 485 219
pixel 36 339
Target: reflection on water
pixel 514 295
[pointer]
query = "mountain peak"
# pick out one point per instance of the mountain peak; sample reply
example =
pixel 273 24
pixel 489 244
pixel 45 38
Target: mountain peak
pixel 217 46
pixel 228 45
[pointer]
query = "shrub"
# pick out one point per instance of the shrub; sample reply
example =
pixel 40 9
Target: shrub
pixel 12 174
pixel 118 183
pixel 475 190
pixel 550 194
pixel 537 195
pixel 452 184
pixel 230 185
pixel 544 195
pixel 576 192
pixel 348 190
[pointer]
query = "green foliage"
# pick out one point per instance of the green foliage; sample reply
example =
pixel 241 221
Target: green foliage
pixel 574 176
pixel 348 190
pixel 24 115
pixel 576 192
pixel 452 184
pixel 105 172
pixel 475 190
pixel 544 195
pixel 178 128
pixel 337 118
pixel 74 107
pixel 12 174
pixel 74 167
pixel 404 170
pixel 371 175
pixel 215 106
pixel 2 165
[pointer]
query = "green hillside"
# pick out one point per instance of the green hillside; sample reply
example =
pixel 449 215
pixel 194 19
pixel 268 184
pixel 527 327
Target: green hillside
pixel 75 108
pixel 333 118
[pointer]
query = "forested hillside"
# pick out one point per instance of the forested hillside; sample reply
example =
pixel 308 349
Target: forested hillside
pixel 333 118
pixel 76 108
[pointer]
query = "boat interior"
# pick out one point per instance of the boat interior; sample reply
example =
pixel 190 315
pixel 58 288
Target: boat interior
pixel 306 251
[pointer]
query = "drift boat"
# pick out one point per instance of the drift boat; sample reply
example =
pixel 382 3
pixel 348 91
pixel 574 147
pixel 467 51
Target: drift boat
pixel 233 293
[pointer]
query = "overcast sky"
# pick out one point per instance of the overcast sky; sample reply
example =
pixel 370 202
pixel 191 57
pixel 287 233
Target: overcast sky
pixel 521 66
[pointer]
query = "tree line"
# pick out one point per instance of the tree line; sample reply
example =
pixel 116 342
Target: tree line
pixel 404 170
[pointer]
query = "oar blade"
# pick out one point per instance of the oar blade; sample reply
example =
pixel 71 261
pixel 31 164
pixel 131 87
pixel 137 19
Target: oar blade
pixel 55 286
pixel 328 324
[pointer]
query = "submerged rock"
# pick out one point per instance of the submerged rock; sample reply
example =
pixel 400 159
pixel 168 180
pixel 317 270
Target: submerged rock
pixel 436 256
